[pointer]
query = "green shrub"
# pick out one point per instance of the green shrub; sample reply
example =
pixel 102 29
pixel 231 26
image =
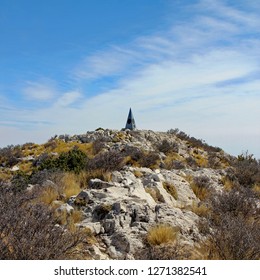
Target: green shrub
pixel 75 160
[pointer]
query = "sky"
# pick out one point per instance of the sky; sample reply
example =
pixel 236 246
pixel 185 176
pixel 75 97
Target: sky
pixel 68 67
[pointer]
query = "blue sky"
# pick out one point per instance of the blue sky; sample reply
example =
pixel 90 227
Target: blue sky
pixel 72 66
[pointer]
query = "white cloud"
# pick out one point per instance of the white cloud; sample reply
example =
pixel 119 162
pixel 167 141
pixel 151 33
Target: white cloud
pixel 103 63
pixel 198 76
pixel 40 91
pixel 68 98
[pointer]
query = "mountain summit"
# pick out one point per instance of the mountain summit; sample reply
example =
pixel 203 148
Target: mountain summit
pixel 130 194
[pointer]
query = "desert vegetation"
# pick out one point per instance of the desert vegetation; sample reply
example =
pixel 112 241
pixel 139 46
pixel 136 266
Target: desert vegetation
pixel 29 230
pixel 49 191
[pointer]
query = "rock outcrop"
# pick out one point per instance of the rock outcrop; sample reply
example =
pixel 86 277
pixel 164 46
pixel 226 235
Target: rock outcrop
pixel 153 186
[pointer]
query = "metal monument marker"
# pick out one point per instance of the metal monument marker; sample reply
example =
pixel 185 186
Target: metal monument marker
pixel 130 123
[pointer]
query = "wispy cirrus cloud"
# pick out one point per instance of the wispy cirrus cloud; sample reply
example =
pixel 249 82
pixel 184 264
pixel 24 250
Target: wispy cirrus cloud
pixel 68 98
pixel 40 90
pixel 200 75
pixel 104 63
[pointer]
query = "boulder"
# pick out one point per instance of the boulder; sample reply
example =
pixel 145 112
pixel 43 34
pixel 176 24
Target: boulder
pixel 83 198
pixel 99 184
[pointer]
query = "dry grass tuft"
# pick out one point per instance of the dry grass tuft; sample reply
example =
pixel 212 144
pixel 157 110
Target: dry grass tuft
pixel 98 173
pixel 161 234
pixel 227 183
pixel 138 174
pixel 170 188
pixel 256 189
pixel 171 159
pixel 76 216
pixel 201 187
pixel 69 185
pixel 155 194
pixel 201 210
pixel 201 193
pixel 48 195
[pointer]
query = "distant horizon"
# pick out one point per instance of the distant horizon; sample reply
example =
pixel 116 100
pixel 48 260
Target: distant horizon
pixel 68 67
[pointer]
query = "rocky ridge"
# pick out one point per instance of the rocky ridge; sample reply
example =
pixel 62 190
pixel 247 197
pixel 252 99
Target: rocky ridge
pixel 154 185
pixel 121 211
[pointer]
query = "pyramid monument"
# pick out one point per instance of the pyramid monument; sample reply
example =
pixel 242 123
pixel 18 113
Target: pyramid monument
pixel 130 123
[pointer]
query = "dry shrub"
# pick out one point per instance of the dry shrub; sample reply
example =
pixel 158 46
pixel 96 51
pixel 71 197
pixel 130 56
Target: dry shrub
pixel 150 160
pixel 167 147
pixel 161 234
pixel 141 158
pixel 170 188
pixel 163 252
pixel 107 161
pixel 191 162
pixel 228 183
pixel 201 160
pixel 237 202
pixel 233 226
pixel 201 193
pixel 233 239
pixel 29 231
pixel 247 170
pixel 69 219
pixel 98 145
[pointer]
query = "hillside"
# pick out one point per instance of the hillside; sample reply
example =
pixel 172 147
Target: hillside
pixel 128 194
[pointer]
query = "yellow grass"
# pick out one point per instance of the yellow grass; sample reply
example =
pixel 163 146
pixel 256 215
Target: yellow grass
pixel 228 184
pixel 76 216
pixel 155 194
pixel 201 193
pixel 48 195
pixel 5 175
pixel 201 210
pixel 97 173
pixel 69 185
pixel 161 234
pixel 26 167
pixel 170 158
pixel 170 188
pixel 138 174
pixel 201 160
pixel 256 189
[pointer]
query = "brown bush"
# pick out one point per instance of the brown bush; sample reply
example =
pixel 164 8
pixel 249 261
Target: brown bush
pixel 149 160
pixel 247 170
pixel 9 156
pixel 28 231
pixel 233 226
pixel 107 161
pixel 234 239
pixel 237 202
pixel 163 252
pixel 168 147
